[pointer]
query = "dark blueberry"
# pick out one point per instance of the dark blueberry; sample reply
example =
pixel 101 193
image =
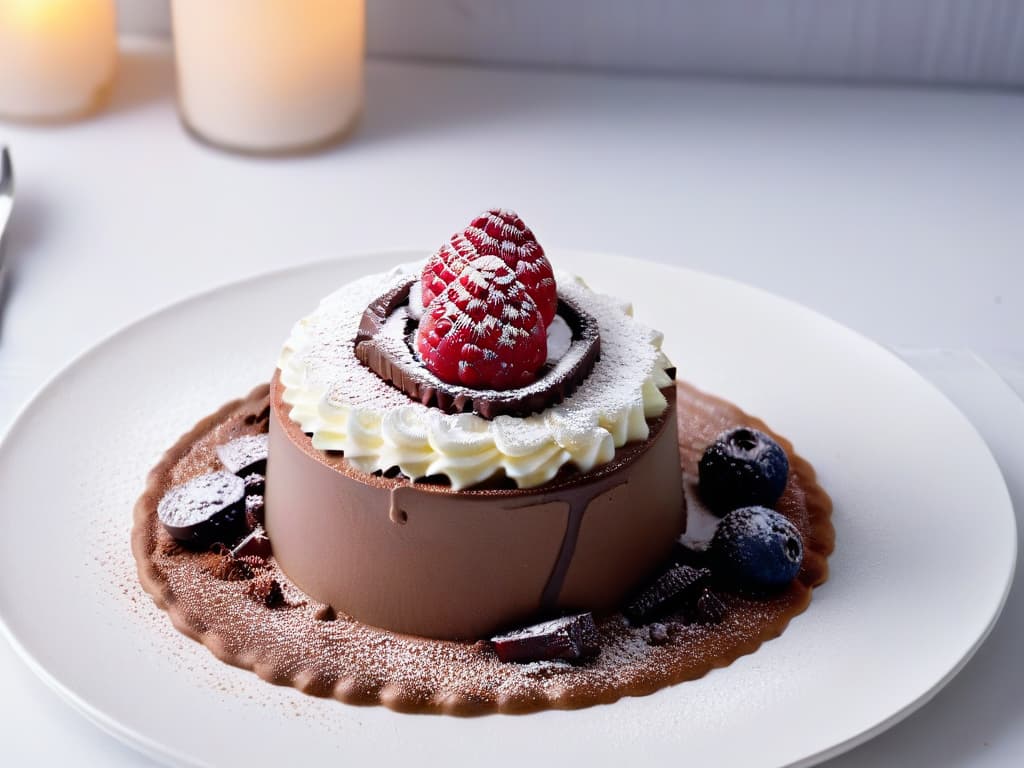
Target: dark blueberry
pixel 758 548
pixel 743 467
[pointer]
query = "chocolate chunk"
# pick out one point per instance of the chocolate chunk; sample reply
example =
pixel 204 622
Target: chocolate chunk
pixel 390 357
pixel 669 590
pixel 256 543
pixel 205 510
pixel 710 609
pixel 568 638
pixel 245 455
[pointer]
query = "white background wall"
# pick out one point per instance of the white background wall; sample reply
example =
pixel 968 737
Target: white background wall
pixel 944 41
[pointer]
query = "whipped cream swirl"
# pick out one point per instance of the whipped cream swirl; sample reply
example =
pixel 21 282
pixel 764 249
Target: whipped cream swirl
pixel 346 407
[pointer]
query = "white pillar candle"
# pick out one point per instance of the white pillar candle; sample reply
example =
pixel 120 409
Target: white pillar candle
pixel 57 57
pixel 269 75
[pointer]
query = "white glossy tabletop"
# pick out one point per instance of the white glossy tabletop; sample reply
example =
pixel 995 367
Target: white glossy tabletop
pixel 895 211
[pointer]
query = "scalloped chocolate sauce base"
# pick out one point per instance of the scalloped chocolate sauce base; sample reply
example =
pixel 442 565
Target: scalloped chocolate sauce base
pixel 300 644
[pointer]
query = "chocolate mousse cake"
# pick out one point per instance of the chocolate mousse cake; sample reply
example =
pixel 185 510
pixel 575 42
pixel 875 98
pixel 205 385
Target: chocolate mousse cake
pixel 434 508
pixel 466 489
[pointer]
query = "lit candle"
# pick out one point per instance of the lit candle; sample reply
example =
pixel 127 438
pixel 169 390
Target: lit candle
pixel 57 57
pixel 269 75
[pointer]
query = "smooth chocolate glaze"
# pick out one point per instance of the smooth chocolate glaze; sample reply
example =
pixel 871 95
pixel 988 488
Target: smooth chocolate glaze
pixel 402 372
pixel 422 559
pixel 304 644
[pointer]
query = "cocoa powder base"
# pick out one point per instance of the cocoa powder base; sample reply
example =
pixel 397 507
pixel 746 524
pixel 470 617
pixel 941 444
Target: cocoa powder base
pixel 301 643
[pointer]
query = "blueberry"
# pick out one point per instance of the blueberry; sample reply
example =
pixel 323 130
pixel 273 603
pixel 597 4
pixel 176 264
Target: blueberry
pixel 758 548
pixel 742 468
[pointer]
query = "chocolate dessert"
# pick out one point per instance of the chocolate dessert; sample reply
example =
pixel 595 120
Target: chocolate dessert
pixel 463 492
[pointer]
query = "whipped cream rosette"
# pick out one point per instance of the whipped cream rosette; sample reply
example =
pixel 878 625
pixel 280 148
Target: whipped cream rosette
pixel 347 407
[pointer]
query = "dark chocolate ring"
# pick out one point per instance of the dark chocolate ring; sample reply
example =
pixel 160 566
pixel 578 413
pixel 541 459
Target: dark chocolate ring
pixel 393 360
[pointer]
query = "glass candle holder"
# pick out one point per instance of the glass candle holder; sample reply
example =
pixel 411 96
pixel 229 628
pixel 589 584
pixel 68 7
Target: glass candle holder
pixel 269 76
pixel 57 57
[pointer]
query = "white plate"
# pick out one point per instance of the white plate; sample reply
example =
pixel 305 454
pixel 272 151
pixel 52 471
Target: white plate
pixel 925 552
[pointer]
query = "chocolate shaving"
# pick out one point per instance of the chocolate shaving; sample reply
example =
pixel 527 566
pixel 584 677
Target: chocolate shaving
pixel 403 373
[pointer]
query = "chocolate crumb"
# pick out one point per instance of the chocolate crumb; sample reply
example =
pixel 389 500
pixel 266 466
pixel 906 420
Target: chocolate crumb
pixel 266 589
pixel 229 568
pixel 658 634
pixel 325 613
pixel 710 608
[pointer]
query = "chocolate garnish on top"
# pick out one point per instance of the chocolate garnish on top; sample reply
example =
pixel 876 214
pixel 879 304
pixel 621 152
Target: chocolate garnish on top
pixel 382 345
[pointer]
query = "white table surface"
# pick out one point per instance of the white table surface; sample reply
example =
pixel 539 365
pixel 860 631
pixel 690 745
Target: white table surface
pixel 896 211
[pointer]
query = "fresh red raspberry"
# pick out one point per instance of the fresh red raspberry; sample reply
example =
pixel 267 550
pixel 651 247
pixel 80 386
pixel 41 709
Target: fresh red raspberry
pixel 500 232
pixel 445 265
pixel 484 331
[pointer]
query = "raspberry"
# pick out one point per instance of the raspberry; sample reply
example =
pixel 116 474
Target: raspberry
pixel 445 265
pixel 500 232
pixel 484 330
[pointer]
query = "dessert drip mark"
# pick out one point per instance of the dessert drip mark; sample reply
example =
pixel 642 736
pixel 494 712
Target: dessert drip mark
pixel 395 511
pixel 577 509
